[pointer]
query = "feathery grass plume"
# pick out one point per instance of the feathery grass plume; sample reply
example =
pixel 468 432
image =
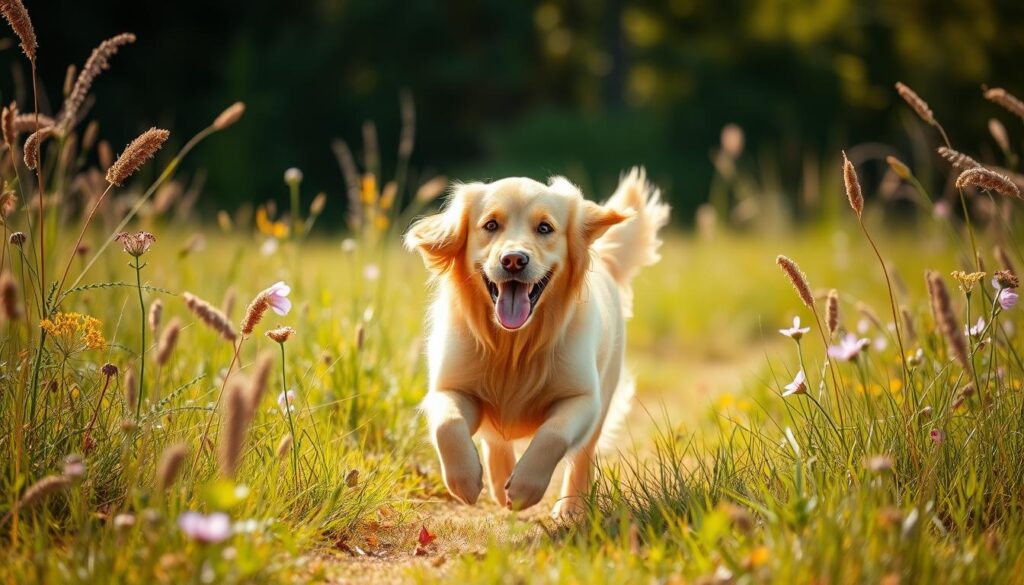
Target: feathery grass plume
pixel 915 102
pixel 7 120
pixel 69 80
pixel 131 388
pixel 792 271
pixel 42 489
pixel 34 144
pixel 237 416
pixel 105 154
pixel 999 134
pixel 229 116
pixel 958 159
pixel 136 154
pixel 908 323
pixel 254 314
pixel 17 16
pixel 832 311
pixel 284 446
pixel 27 123
pixel 98 62
pixel 1007 100
pixel 1003 258
pixel 902 171
pixel 9 296
pixel 211 316
pixel 170 464
pixel 260 377
pixel 853 191
pixel 942 309
pixel 165 347
pixel 156 311
pixel 986 179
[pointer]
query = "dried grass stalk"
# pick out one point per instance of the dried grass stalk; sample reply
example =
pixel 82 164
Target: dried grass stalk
pixel 792 271
pixel 16 14
pixel 1007 100
pixel 168 340
pixel 958 159
pixel 170 465
pixel 34 144
pixel 208 314
pixel 987 179
pixel 136 154
pixel 942 309
pixel 98 62
pixel 915 102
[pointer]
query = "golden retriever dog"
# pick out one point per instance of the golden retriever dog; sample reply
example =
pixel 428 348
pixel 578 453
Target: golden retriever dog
pixel 527 329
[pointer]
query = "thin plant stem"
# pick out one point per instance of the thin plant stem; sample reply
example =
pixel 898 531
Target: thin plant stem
pixel 142 347
pixel 220 395
pixel 892 303
pixel 291 422
pixel 81 235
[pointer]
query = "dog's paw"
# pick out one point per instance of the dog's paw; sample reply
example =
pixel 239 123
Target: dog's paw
pixel 465 482
pixel 569 508
pixel 523 490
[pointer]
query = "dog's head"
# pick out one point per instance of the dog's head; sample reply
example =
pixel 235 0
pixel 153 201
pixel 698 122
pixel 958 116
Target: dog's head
pixel 514 244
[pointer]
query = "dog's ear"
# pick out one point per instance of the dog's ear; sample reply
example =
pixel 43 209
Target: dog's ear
pixel 598 218
pixel 441 238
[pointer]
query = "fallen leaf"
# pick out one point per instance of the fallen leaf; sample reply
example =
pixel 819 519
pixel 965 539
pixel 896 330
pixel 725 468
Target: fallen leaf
pixel 426 537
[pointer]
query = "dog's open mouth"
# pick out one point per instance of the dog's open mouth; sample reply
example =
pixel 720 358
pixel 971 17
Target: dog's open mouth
pixel 514 300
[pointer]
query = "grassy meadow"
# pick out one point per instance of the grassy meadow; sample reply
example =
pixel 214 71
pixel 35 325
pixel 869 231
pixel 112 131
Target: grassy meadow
pixel 189 395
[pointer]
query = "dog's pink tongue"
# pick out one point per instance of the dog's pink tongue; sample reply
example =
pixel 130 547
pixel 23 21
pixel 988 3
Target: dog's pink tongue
pixel 513 306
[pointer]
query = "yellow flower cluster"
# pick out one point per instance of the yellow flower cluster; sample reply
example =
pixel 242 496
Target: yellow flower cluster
pixel 74 329
pixel 276 229
pixel 967 280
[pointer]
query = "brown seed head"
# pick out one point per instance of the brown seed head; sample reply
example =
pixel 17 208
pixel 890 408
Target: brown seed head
pixel 797 278
pixel 254 313
pixel 1007 100
pixel 281 334
pixel 987 179
pixel 211 316
pixel 135 243
pixel 27 123
pixel 999 134
pixel 98 62
pixel 43 488
pixel 237 415
pixel 902 171
pixel 167 341
pixel 260 379
pixel 109 370
pixel 9 296
pixel 18 239
pixel 156 311
pixel 131 388
pixel 318 204
pixel 915 102
pixel 136 154
pixel 1007 279
pixel 170 465
pixel 942 309
pixel 229 116
pixel 10 113
pixel 853 191
pixel 16 14
pixel 958 159
pixel 34 144
pixel 832 311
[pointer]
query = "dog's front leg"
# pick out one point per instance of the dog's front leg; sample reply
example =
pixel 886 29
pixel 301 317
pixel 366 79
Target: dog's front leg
pixel 569 423
pixel 453 417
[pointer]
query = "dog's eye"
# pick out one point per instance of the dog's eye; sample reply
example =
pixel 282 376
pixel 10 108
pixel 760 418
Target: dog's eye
pixel 544 228
pixel 491 226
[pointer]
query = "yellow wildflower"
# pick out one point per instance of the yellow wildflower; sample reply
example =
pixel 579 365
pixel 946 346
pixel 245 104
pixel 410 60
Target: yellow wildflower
pixel 74 332
pixel 967 280
pixel 369 189
pixel 277 229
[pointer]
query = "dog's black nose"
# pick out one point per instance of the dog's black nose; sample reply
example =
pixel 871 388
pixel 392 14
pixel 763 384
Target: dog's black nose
pixel 514 261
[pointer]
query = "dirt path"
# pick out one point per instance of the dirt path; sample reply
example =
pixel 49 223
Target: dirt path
pixel 681 389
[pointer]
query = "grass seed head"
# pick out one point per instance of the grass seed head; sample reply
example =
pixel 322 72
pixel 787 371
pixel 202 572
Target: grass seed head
pixel 987 179
pixel 942 308
pixel 131 388
pixel 999 134
pixel 229 116
pixel 832 311
pixel 959 160
pixel 1003 258
pixel 136 154
pixel 170 464
pixel 284 446
pixel 98 62
pixel 156 311
pixel 211 316
pixel 7 124
pixel 853 190
pixel 915 102
pixel 1007 100
pixel 1006 279
pixel 17 16
pixel 9 297
pixel 260 380
pixel 168 340
pixel 797 278
pixel 902 171
pixel 42 489
pixel 237 415
pixel 34 144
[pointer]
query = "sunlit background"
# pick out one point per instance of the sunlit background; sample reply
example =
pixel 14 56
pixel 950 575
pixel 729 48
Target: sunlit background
pixel 583 89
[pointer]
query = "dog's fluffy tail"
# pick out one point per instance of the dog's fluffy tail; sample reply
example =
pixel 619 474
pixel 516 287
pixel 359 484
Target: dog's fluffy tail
pixel 629 246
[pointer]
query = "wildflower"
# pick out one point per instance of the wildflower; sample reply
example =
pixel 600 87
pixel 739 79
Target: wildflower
pixel 124 522
pixel 797 386
pixel 18 239
pixel 1006 283
pixel 206 529
pixel 293 176
pixel 966 280
pixel 976 329
pixel 371 272
pixel 74 332
pixel 269 247
pixel 795 332
pixel 276 229
pixel 74 466
pixel 849 347
pixel 916 359
pixel 937 436
pixel 136 244
pixel 286 398
pixel 281 334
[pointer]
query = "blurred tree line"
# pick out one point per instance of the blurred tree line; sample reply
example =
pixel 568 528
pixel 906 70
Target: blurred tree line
pixel 581 88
